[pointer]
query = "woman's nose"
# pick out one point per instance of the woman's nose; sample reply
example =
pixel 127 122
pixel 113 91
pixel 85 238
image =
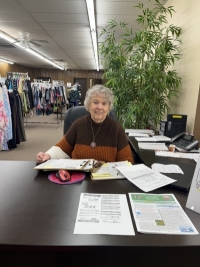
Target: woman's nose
pixel 99 105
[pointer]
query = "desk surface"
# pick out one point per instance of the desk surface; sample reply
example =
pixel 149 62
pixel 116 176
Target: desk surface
pixel 37 213
pixel 148 158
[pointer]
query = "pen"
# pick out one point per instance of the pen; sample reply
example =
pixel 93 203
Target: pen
pixel 84 164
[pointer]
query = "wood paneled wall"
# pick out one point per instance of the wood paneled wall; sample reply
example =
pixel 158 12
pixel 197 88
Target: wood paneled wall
pixel 55 74
pixel 5 67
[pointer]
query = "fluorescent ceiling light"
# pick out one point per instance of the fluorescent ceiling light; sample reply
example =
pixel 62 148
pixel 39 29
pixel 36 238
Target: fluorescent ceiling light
pixel 53 63
pixel 90 9
pixel 6 61
pixel 18 44
pixel 7 38
pixel 34 53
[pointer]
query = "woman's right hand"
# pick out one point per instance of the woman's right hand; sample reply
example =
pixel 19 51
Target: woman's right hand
pixel 41 157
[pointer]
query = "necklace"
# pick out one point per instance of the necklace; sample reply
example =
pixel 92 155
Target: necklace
pixel 93 143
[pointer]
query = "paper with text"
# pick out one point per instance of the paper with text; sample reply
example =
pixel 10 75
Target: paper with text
pixel 138 134
pixel 146 131
pixel 103 214
pixel 193 156
pixel 67 164
pixel 109 171
pixel 152 146
pixel 144 177
pixel 166 168
pixel 162 138
pixel 146 139
pixel 160 214
pixel 193 202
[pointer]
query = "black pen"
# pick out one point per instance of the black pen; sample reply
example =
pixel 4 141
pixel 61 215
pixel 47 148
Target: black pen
pixel 84 164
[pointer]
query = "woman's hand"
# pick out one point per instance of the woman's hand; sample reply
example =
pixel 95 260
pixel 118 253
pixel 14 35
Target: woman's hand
pixel 41 157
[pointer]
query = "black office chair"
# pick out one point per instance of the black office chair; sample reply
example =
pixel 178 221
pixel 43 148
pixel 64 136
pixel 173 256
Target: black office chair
pixel 74 113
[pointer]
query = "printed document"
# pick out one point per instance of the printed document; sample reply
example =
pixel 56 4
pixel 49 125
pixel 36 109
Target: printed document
pixel 162 138
pixel 166 168
pixel 155 138
pixel 152 146
pixel 160 214
pixel 138 134
pixel 67 164
pixel 144 177
pixel 193 156
pixel 103 214
pixel 146 139
pixel 109 171
pixel 146 131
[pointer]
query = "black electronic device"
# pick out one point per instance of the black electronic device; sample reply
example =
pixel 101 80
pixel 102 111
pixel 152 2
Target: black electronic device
pixel 176 123
pixel 185 141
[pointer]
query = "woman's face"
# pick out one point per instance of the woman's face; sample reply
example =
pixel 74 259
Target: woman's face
pixel 99 108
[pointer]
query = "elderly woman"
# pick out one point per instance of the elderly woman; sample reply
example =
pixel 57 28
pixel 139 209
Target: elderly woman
pixel 93 136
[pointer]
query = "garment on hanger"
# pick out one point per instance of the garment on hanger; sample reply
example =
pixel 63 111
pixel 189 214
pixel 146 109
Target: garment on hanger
pixel 13 81
pixel 5 118
pixel 74 96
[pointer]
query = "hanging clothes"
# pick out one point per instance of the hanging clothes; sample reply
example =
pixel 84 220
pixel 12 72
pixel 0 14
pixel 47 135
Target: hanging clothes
pixel 5 118
pixel 74 97
pixel 13 83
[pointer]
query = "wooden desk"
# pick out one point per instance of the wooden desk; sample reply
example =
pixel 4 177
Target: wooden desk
pixel 37 220
pixel 148 158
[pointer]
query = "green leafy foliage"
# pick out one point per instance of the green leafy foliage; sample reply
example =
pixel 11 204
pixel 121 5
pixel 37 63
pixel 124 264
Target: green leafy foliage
pixel 138 68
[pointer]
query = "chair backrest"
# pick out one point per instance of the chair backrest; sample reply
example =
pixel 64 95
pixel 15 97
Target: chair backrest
pixel 74 113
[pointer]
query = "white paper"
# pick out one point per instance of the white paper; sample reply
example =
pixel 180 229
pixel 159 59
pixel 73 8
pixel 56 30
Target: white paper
pixel 152 146
pixel 139 131
pixel 167 154
pixel 144 177
pixel 68 164
pixel 166 168
pixel 193 201
pixel 193 156
pixel 138 134
pixel 103 214
pixel 146 139
pixel 162 138
pixel 160 214
pixel 110 169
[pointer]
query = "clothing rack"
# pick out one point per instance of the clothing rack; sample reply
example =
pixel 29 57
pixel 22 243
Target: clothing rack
pixel 57 83
pixel 37 81
pixel 16 75
pixel 40 82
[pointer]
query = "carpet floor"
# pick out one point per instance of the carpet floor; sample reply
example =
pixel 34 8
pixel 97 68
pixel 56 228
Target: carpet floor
pixel 42 132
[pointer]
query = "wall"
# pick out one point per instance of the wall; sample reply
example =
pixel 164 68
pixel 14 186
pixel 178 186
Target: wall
pixel 187 17
pixel 5 67
pixel 54 74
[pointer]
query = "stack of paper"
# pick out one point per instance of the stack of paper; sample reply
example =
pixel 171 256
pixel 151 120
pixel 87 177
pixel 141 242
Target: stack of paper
pixel 144 131
pixel 109 171
pixel 66 164
pixel 152 146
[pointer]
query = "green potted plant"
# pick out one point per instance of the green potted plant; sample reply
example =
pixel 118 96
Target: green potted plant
pixel 138 67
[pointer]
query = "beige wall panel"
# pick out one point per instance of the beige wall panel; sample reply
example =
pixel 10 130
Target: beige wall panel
pixel 187 17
